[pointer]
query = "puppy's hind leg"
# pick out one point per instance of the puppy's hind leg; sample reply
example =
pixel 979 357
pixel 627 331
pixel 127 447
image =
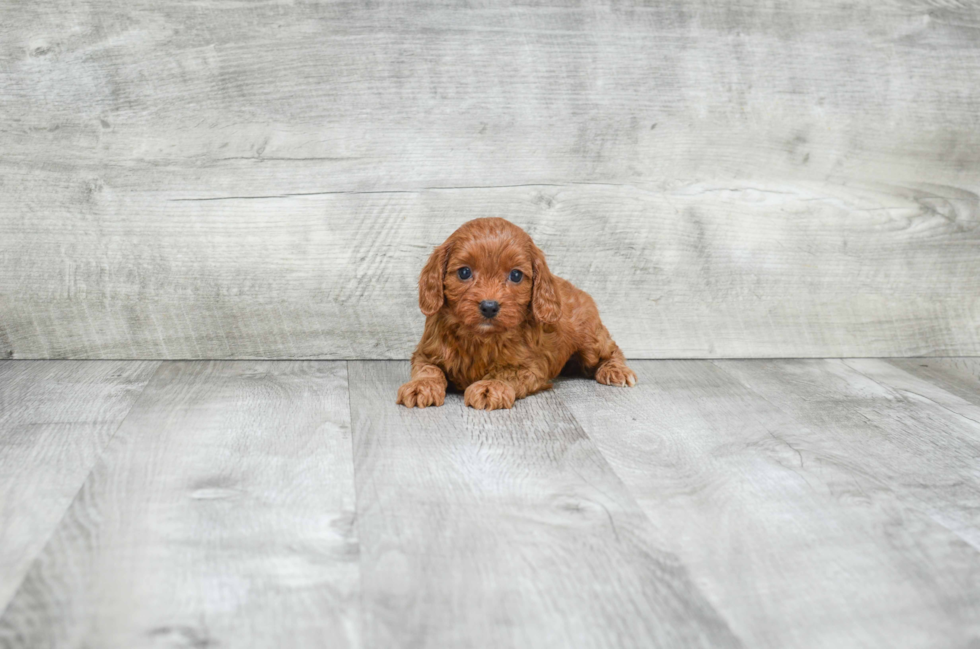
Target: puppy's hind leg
pixel 605 358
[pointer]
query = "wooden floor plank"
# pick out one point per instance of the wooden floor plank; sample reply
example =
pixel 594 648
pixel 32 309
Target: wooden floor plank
pixel 55 419
pixel 923 452
pixel 795 533
pixel 506 529
pixel 958 376
pixel 911 387
pixel 220 515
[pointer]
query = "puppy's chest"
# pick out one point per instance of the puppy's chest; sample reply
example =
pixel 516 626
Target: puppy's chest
pixel 464 366
pixel 463 370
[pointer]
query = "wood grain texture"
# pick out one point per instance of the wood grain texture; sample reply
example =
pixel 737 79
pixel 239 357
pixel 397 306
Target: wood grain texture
pixel 506 529
pixel 770 503
pixel 958 376
pixel 188 180
pixel 911 388
pixel 55 419
pixel 922 451
pixel 795 536
pixel 220 515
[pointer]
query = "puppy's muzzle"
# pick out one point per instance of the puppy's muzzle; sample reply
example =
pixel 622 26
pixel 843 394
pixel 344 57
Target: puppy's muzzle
pixel 489 308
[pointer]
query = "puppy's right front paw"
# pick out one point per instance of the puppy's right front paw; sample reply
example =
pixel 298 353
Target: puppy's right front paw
pixel 419 394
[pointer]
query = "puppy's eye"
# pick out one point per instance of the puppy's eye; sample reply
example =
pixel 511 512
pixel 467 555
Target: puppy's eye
pixel 516 276
pixel 464 273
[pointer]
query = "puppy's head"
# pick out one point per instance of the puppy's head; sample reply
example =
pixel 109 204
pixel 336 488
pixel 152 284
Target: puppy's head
pixel 490 277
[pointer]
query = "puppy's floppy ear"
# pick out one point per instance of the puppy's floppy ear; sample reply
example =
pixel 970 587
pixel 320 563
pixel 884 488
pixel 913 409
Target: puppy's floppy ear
pixel 430 281
pixel 545 303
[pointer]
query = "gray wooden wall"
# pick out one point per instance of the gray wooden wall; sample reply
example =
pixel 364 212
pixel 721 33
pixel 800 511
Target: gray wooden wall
pixel 262 179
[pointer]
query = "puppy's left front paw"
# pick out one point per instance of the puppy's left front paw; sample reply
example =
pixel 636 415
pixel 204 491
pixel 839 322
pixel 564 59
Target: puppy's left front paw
pixel 615 373
pixel 489 395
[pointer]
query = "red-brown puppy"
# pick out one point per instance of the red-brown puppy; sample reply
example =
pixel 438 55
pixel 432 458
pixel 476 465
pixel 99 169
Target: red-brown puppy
pixel 499 325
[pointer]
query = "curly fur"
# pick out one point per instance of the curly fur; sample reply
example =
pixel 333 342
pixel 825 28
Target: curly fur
pixel 544 323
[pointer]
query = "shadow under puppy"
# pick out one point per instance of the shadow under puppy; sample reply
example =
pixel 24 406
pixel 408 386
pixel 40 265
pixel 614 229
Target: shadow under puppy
pixel 499 325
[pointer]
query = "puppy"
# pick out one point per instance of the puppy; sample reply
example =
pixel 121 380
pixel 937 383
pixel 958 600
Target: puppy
pixel 499 325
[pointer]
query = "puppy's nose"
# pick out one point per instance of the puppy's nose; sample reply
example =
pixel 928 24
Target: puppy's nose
pixel 489 308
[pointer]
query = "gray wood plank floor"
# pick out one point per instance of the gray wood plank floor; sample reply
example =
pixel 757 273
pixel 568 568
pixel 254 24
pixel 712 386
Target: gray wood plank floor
pixel 221 513
pixel 55 418
pixel 820 503
pixel 506 529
